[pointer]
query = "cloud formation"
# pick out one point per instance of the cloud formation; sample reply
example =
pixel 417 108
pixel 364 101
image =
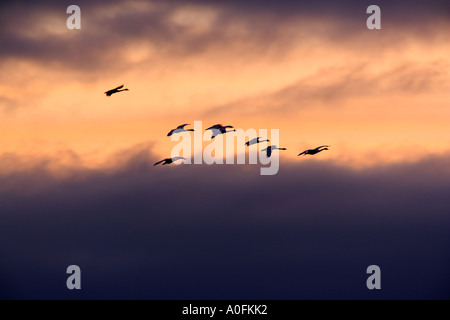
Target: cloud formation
pixel 223 232
pixel 37 31
pixel 200 232
pixel 332 87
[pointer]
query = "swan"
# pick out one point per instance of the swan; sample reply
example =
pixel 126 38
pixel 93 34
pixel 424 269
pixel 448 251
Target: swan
pixel 222 130
pixel 179 129
pixel 218 127
pixel 314 151
pixel 169 161
pixel 116 90
pixel 270 149
pixel 255 141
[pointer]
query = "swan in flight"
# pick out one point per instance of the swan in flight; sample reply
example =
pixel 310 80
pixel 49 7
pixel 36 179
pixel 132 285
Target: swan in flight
pixel 169 161
pixel 223 130
pixel 219 129
pixel 217 126
pixel 179 129
pixel 270 149
pixel 314 151
pixel 116 90
pixel 255 141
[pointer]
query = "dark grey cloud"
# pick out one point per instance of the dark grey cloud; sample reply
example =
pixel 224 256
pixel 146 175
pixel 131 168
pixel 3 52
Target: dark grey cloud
pixel 268 26
pixel 224 232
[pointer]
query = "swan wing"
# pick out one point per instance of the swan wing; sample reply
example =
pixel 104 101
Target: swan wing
pixel 159 162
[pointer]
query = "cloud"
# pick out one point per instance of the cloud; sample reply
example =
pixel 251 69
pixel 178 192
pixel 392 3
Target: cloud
pixel 7 104
pixel 333 87
pixel 224 232
pixel 37 31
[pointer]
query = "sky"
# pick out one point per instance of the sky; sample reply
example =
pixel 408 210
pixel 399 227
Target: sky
pixel 78 186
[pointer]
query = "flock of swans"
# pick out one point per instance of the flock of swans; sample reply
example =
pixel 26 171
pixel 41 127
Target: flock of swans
pixel 217 130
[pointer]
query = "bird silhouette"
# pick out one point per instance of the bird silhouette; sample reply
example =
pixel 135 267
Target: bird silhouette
pixel 315 151
pixel 217 126
pixel 255 141
pixel 219 129
pixel 222 130
pixel 179 129
pixel 116 90
pixel 270 149
pixel 169 161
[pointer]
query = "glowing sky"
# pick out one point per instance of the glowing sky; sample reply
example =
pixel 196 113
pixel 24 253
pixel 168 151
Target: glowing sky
pixel 78 185
pixel 313 71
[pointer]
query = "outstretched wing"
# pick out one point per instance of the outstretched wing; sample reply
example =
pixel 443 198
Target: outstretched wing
pixel 252 142
pixel 182 126
pixel 110 92
pixel 171 132
pixel 216 132
pixel 268 151
pixel 303 153
pixel 216 126
pixel 160 162
pixel 322 147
